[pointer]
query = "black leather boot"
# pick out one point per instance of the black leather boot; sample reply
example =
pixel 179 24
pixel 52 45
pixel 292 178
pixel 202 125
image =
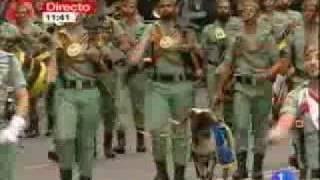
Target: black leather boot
pixel 257 173
pixel 179 172
pixel 242 171
pixel 66 174
pixel 107 145
pixel 140 141
pixel 121 148
pixel 85 178
pixel 162 173
pixel 52 155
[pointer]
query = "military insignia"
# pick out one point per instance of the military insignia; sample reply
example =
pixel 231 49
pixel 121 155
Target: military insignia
pixel 219 32
pixel 74 49
pixel 166 42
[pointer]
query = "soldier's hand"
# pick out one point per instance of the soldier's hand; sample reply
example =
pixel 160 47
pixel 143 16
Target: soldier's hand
pixel 276 135
pixel 199 73
pixel 263 74
pixel 147 60
pixel 11 132
pixel 217 98
pixel 93 54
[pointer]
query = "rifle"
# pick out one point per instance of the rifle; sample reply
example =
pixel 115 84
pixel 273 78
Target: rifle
pixel 185 24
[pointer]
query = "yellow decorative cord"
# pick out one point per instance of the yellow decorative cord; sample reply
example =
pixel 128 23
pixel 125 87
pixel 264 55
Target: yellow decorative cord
pixel 40 84
pixel 42 56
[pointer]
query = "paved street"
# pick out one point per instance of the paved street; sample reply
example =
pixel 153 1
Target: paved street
pixel 34 165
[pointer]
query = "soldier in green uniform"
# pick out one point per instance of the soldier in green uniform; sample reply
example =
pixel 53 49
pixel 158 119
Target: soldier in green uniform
pixel 214 40
pixel 132 76
pixel 295 41
pixel 80 64
pixel 11 77
pixel 169 90
pixel 116 43
pixel 301 113
pixel 29 33
pixel 254 60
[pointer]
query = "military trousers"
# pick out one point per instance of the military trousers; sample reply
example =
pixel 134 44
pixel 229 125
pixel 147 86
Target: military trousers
pixel 107 90
pixel 77 119
pixel 137 85
pixel 7 161
pixel 123 101
pixel 166 109
pixel 227 109
pixel 254 110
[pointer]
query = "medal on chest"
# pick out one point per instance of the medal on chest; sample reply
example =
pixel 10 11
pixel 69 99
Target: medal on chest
pixel 166 42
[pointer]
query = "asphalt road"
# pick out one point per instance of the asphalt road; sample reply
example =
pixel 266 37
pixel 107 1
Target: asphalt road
pixel 32 162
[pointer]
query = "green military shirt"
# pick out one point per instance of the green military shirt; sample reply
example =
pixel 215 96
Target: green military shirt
pixel 295 105
pixel 134 31
pixel 113 29
pixel 170 60
pixel 11 75
pixel 214 37
pixel 250 52
pixel 279 22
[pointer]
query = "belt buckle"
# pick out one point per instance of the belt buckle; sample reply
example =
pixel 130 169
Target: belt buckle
pixel 79 85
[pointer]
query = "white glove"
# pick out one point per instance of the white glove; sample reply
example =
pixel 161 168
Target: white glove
pixel 11 132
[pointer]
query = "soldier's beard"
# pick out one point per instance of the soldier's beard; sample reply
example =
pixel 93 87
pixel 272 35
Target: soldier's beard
pixel 167 16
pixel 284 7
pixel 223 17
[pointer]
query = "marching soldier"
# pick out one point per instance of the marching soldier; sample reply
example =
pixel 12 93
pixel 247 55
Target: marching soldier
pixel 254 60
pixel 116 43
pixel 133 77
pixel 11 76
pixel 294 34
pixel 169 89
pixel 31 46
pixel 80 63
pixel 301 112
pixel 214 41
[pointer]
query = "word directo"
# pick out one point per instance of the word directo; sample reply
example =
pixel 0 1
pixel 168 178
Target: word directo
pixel 75 7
